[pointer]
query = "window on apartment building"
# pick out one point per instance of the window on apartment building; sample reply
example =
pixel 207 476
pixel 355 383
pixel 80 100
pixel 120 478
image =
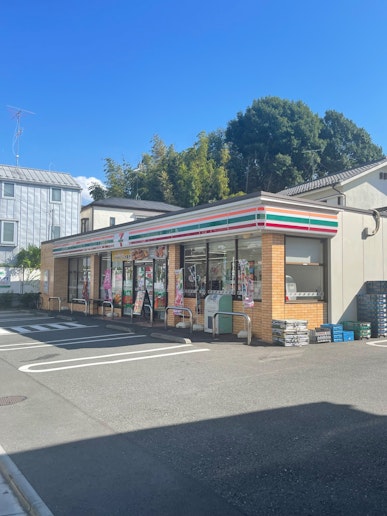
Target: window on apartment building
pixel 8 233
pixel 305 269
pixel 112 221
pixel 56 195
pixel 8 190
pixel 383 175
pixel 79 278
pixel 84 225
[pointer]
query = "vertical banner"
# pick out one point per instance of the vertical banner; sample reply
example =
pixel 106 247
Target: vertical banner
pixel 179 290
pixel 247 284
pixel 107 285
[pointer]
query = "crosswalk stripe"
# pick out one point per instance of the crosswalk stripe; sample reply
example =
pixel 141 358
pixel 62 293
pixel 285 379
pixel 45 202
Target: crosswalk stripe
pixel 46 327
pixel 20 329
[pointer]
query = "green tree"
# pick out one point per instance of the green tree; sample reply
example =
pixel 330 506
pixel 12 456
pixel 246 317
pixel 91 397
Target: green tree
pixel 97 191
pixel 268 144
pixel 346 145
pixel 28 258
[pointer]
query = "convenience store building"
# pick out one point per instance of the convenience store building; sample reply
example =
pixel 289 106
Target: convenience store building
pixel 274 256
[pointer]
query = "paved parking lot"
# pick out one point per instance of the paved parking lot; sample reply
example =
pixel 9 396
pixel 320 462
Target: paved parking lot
pixel 123 422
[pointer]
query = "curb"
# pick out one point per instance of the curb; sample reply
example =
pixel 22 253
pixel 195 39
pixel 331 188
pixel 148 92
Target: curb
pixel 25 493
pixel 119 327
pixel 173 338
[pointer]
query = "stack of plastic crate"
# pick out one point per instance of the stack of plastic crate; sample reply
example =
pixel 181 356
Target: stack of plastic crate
pixel 361 329
pixel 320 335
pixel 290 332
pixel 336 331
pixel 373 308
pixel 376 287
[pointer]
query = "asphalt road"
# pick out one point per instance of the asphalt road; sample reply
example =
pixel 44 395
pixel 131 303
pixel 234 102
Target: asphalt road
pixel 107 422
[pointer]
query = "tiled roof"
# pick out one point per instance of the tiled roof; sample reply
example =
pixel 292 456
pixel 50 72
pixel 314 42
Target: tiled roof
pixel 137 204
pixel 332 179
pixel 37 176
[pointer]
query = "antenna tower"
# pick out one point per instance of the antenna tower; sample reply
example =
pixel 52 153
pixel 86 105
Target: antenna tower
pixel 17 113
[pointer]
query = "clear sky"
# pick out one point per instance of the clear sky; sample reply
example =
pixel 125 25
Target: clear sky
pixel 102 77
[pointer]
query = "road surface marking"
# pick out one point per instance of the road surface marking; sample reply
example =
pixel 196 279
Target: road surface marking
pixel 378 344
pixel 66 342
pixel 48 327
pixel 31 368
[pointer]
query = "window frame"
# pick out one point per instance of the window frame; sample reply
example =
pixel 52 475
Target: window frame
pixel 8 242
pixel 306 269
pixel 56 201
pixel 5 195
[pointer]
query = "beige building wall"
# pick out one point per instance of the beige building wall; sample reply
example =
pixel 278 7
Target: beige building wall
pixel 354 259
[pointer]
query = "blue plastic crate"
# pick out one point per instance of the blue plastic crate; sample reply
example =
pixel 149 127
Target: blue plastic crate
pixel 348 336
pixel 333 327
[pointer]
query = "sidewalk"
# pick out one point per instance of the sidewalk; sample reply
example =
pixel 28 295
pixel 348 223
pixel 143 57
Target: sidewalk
pixel 9 504
pixel 17 496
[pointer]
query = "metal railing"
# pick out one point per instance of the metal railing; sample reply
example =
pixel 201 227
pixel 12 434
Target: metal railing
pixel 54 299
pixel 80 300
pixel 107 304
pixel 183 309
pixel 241 314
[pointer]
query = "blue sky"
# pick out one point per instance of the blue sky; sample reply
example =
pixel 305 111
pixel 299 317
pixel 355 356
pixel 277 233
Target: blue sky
pixel 103 77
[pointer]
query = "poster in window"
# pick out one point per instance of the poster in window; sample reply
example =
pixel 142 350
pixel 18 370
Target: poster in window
pixel 247 283
pixel 179 290
pixel 139 303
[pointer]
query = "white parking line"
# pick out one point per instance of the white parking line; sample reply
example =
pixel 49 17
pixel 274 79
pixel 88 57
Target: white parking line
pixel 32 367
pixel 66 342
pixel 378 344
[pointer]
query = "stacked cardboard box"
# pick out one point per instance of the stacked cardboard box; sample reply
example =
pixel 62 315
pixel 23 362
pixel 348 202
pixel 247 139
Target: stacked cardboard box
pixel 290 332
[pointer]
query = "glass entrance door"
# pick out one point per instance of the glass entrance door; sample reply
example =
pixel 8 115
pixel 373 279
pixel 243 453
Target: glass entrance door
pixel 143 278
pixel 127 289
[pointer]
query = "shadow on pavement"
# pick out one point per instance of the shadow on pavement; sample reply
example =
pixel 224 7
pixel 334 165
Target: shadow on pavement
pixel 309 459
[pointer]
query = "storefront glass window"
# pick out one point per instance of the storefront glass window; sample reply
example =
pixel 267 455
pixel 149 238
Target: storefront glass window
pixel 105 284
pixel 79 278
pixel 117 283
pixel 249 268
pixel 160 285
pixel 221 267
pixel 195 267
pixel 128 288
pixel 305 269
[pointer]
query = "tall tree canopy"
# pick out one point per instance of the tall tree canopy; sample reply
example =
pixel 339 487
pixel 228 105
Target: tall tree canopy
pixel 270 141
pixel 346 145
pixel 276 143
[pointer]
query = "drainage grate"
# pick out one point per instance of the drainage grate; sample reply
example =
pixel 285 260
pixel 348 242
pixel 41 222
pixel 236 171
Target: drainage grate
pixel 11 400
